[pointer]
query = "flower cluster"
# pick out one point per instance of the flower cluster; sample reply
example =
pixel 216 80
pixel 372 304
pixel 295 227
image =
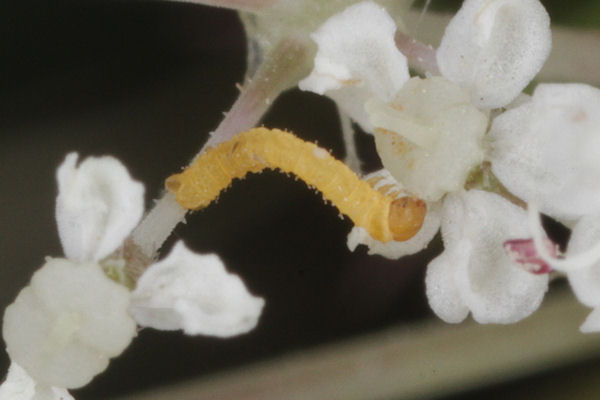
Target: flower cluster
pixel 65 326
pixel 435 135
pixel 462 137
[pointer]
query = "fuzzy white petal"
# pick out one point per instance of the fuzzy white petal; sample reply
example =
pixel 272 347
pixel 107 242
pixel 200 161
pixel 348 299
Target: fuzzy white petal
pixel 546 151
pixel 585 281
pixel 592 322
pixel 494 48
pixel 443 293
pixel 63 327
pixel 356 49
pixel 98 205
pixel 493 288
pixel 195 293
pixel 19 386
pixel 430 136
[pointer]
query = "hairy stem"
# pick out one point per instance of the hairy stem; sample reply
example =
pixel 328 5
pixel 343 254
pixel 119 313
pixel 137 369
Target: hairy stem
pixel 280 70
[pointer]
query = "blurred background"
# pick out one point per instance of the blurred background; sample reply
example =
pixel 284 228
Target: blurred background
pixel 146 81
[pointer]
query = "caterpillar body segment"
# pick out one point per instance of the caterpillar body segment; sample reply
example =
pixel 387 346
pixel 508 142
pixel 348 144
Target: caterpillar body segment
pixel 382 215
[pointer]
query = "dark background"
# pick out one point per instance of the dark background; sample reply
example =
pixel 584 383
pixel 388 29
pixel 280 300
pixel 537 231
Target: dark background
pixel 146 82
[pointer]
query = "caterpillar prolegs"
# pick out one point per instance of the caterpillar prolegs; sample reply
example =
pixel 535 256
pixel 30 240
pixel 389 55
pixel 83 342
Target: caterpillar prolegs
pixel 385 216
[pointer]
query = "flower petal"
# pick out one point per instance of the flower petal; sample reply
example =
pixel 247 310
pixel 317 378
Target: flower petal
pixel 195 293
pixel 98 205
pixel 592 322
pixel 443 293
pixel 19 386
pixel 431 136
pixel 494 48
pixel 67 323
pixel 546 151
pixel 495 289
pixel 585 281
pixel 357 52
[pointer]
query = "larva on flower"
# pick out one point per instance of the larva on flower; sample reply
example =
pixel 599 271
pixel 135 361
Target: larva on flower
pixel 385 216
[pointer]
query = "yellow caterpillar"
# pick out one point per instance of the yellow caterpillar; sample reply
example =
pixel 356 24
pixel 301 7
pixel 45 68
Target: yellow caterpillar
pixel 384 216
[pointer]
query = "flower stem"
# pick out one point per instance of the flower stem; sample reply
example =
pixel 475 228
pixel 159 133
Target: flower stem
pixel 280 70
pixel 158 224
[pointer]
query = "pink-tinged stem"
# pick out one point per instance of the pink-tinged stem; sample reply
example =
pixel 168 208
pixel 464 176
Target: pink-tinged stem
pixel 420 56
pixel 240 5
pixel 524 253
pixel 281 69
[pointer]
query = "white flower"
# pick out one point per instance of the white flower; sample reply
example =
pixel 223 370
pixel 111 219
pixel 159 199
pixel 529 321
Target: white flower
pixel 494 48
pixel 195 293
pixel 474 273
pixel 357 59
pixel 20 386
pixel 65 326
pixel 546 151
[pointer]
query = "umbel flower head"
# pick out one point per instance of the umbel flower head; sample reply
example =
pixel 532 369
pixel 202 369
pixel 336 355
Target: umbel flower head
pixel 65 326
